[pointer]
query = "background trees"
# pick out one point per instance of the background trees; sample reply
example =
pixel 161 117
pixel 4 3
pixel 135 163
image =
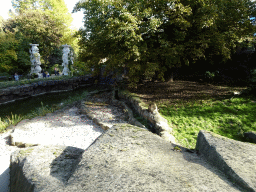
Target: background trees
pixel 152 37
pixel 8 47
pixel 43 22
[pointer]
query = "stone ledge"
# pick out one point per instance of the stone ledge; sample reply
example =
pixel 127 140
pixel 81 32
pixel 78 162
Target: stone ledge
pixel 91 116
pixel 131 118
pixel 159 123
pixel 106 126
pixel 234 158
pixel 23 91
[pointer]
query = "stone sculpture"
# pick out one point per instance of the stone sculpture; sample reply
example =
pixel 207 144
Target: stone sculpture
pixel 35 60
pixel 66 54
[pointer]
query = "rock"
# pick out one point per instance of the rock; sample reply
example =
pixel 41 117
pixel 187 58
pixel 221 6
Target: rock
pixel 42 168
pixel 151 114
pixel 125 158
pixel 251 136
pixel 234 158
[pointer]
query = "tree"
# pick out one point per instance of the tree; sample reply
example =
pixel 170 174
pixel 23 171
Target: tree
pixel 45 22
pixel 57 9
pixel 150 37
pixel 8 54
pixel 34 27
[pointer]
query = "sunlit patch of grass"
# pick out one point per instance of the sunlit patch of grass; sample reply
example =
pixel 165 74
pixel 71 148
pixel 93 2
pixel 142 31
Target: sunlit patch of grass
pixel 74 98
pixel 228 117
pixel 9 120
pixel 3 125
pixel 40 111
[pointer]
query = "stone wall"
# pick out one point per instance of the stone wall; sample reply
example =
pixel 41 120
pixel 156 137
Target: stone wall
pixel 23 91
pixel 159 123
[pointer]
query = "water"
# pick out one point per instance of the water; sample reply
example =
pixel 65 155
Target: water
pixel 24 106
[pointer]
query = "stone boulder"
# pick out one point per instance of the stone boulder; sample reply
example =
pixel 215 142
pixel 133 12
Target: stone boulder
pixel 44 168
pixel 234 158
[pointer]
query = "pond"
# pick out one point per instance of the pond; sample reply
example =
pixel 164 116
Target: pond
pixel 25 106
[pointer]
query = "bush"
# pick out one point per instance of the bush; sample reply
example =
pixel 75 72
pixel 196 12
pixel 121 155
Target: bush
pixel 209 75
pixel 253 76
pixel 80 68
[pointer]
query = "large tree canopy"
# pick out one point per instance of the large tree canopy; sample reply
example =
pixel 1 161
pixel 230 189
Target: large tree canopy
pixel 149 37
pixel 56 8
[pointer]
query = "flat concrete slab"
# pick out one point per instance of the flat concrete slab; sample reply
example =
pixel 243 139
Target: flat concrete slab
pixel 124 158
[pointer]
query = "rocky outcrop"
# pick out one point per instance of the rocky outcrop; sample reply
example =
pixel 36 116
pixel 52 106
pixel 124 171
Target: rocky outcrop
pixel 124 158
pixel 234 158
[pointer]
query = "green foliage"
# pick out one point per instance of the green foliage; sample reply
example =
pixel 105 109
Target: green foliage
pixel 40 111
pixel 9 120
pixel 56 8
pixel 38 27
pixel 209 75
pixel 57 12
pixel 44 22
pixel 253 75
pixel 55 56
pixel 229 118
pixel 80 68
pixel 149 38
pixel 8 55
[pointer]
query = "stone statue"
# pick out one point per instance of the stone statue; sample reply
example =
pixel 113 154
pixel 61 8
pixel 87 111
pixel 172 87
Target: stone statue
pixel 35 60
pixel 65 56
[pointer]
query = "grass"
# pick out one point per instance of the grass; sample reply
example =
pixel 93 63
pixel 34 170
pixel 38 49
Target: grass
pixel 142 120
pixel 40 111
pixel 228 117
pixel 14 119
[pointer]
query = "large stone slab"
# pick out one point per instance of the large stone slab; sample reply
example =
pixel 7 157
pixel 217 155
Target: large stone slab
pixel 42 168
pixel 124 158
pixel 234 158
